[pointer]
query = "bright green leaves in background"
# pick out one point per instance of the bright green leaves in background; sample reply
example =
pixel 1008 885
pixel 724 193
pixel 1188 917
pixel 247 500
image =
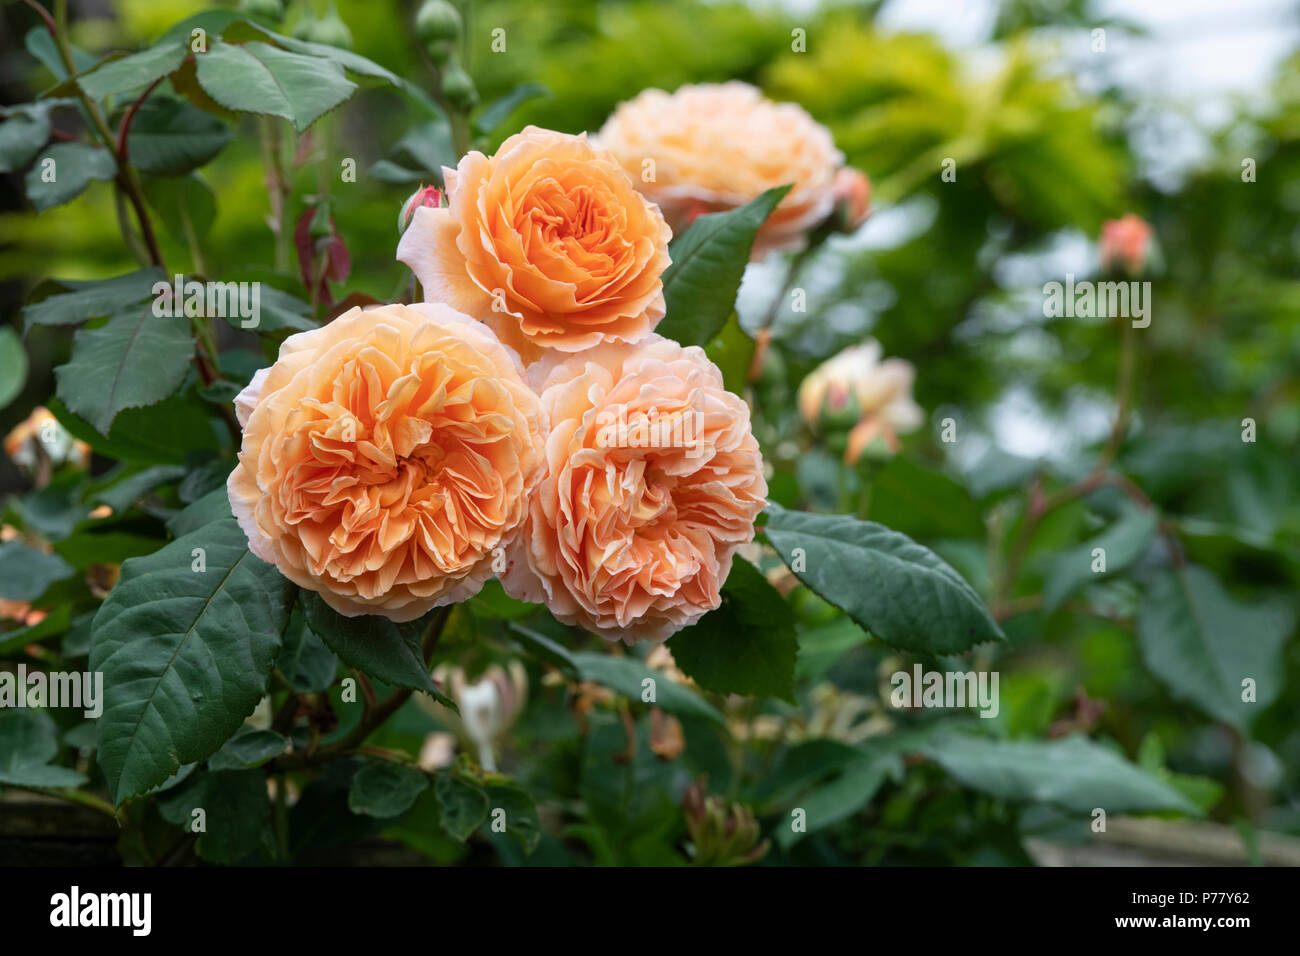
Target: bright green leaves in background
pixel 186 653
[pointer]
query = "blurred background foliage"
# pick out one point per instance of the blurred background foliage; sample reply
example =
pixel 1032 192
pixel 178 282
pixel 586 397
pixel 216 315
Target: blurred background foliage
pixel 947 275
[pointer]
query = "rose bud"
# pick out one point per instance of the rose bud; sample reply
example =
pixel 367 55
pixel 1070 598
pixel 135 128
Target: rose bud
pixel 430 196
pixel 1125 243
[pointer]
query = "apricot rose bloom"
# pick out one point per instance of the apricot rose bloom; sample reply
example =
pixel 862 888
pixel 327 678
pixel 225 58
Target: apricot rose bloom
pixel 547 241
pixel 632 531
pixel 385 456
pixel 717 146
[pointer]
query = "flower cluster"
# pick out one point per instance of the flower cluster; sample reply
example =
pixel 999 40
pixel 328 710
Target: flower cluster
pixel 397 457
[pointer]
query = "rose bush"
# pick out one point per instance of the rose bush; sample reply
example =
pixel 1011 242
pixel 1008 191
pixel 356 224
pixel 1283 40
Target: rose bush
pixel 594 525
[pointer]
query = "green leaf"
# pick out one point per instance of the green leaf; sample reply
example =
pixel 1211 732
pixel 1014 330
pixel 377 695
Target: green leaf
pixel 23 135
pixel 1202 643
pixel 186 205
pixel 543 647
pixel 88 547
pixel 464 805
pixel 385 789
pixel 236 812
pixel 352 62
pixel 801 766
pixel 170 137
pixel 280 311
pixel 732 351
pixel 29 740
pixel 40 44
pixel 248 748
pixel 1123 543
pixel 708 263
pixel 56 622
pixel 26 573
pixel 129 73
pixel 850 791
pixel 625 675
pixel 95 299
pixel 13 366
pixel 1073 773
pixel 74 166
pixel 521 819
pixel 213 506
pixel 745 646
pixel 306 663
pixel 123 494
pixel 104 375
pixel 374 644
pixel 387 171
pixel 185 654
pixel 898 590
pixel 160 434
pixel 259 78
pixel 922 503
pixel 498 111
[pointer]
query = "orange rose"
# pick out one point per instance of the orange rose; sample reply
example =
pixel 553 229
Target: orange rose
pixel 547 241
pixel 653 480
pixel 385 456
pixel 717 146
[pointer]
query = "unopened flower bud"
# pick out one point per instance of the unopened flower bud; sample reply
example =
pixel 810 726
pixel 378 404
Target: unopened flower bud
pixel 852 193
pixel 458 88
pixel 437 20
pixel 321 227
pixel 271 9
pixel 331 31
pixel 1125 243
pixel 424 196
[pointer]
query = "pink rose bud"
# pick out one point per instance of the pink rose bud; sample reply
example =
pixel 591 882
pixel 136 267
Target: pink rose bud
pixel 430 196
pixel 852 191
pixel 1125 242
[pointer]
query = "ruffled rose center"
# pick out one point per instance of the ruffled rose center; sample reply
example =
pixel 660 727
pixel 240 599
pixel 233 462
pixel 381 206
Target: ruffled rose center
pixel 396 470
